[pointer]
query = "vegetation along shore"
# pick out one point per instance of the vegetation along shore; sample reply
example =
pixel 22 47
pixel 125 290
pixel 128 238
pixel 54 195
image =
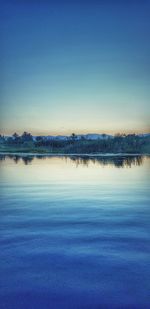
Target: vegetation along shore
pixel 95 144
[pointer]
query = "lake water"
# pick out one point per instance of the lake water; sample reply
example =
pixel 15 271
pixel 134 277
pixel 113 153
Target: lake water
pixel 74 233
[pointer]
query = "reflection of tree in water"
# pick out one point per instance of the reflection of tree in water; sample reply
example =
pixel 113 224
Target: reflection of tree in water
pixel 27 160
pixel 80 161
pixel 126 161
pixel 118 161
pixel 17 158
pixel 40 157
pixel 2 157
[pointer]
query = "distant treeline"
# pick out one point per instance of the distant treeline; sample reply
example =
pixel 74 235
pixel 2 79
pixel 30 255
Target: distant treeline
pixel 130 143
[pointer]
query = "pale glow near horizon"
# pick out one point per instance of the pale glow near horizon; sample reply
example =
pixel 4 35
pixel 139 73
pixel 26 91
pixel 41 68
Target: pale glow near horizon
pixel 76 78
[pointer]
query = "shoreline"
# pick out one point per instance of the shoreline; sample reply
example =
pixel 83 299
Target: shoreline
pixel 88 155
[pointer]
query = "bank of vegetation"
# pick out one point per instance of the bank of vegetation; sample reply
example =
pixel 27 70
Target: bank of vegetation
pixel 26 143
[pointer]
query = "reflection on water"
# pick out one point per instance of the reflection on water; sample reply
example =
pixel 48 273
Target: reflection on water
pixel 72 237
pixel 117 161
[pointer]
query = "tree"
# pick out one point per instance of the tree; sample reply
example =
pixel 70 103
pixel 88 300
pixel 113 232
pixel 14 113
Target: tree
pixel 26 137
pixel 73 136
pixel 15 135
pixel 2 139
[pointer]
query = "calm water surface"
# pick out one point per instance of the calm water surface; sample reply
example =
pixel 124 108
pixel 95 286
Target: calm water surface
pixel 74 233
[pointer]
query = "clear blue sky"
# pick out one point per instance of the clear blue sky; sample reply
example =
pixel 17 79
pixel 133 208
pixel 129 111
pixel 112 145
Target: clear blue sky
pixel 75 66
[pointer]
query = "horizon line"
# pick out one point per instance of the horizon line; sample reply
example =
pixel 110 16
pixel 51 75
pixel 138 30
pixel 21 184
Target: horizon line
pixel 73 132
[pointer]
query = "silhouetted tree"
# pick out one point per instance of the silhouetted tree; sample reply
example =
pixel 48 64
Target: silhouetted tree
pixel 26 137
pixel 16 138
pixel 73 136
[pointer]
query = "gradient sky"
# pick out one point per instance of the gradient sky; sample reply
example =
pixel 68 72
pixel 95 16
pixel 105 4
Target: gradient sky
pixel 75 66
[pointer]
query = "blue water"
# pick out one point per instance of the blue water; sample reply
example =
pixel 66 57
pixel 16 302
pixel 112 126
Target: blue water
pixel 74 233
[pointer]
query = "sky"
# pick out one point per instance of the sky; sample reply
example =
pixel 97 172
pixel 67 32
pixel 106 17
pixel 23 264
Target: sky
pixel 75 66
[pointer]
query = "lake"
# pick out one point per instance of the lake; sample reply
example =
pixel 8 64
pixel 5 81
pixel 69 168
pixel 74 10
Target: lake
pixel 74 232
